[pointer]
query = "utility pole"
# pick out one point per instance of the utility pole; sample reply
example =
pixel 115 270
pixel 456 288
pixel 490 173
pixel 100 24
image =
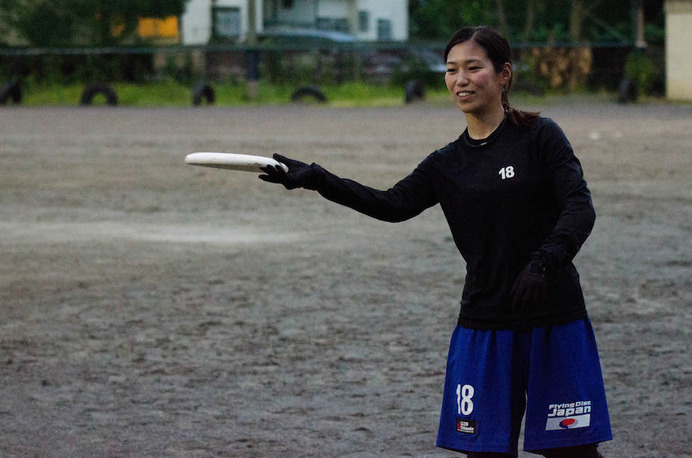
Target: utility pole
pixel 252 22
pixel 252 55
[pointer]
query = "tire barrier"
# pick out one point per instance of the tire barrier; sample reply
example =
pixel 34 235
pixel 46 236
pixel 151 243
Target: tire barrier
pixel 414 91
pixel 203 92
pixel 92 90
pixel 11 91
pixel 308 91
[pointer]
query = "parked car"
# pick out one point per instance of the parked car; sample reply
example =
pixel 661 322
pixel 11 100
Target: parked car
pixel 405 64
pixel 303 37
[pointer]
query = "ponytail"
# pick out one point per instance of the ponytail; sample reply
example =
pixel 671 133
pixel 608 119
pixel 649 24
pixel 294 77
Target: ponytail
pixel 517 117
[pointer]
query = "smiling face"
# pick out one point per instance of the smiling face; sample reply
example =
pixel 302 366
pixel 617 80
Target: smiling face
pixel 473 83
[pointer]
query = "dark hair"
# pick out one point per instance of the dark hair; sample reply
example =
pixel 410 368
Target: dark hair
pixel 498 51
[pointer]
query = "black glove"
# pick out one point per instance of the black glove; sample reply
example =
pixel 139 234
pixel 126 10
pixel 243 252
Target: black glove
pixel 299 175
pixel 532 285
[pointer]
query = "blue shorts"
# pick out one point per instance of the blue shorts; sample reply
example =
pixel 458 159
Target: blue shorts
pixel 552 373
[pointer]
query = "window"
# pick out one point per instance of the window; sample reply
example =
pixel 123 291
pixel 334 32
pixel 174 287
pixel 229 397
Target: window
pixel 363 21
pixel 332 24
pixel 384 29
pixel 226 23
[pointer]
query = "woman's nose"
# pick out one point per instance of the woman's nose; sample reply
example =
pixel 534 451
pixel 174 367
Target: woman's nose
pixel 462 79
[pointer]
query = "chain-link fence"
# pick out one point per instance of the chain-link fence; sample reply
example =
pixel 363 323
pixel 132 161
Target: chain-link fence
pixel 538 69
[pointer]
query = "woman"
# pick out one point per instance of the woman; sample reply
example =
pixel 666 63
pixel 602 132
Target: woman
pixel 519 210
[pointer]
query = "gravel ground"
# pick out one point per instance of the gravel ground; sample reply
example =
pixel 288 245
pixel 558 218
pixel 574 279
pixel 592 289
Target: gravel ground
pixel 150 308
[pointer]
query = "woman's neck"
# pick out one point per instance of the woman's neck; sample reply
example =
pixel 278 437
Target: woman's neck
pixel 480 127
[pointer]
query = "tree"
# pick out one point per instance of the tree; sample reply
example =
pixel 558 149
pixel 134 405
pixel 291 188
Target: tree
pixel 580 11
pixel 529 22
pixel 49 23
pixel 537 21
pixel 439 19
pixel 501 17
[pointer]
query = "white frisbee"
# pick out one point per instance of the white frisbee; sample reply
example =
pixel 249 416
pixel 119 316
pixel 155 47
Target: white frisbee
pixel 243 162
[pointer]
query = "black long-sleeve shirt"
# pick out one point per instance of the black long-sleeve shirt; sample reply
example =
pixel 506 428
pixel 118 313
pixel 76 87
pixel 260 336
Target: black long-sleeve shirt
pixel 520 192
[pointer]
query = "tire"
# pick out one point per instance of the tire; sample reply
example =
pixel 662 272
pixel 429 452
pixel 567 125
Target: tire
pixel 11 91
pixel 308 91
pixel 203 92
pixel 414 91
pixel 92 90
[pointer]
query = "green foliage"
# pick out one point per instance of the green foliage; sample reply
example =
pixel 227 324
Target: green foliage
pixel 51 23
pixel 178 67
pixel 163 93
pixel 169 92
pixel 43 94
pixel 312 67
pixel 640 69
pixel 439 19
pixel 557 33
pixel 42 22
pixel 92 69
pixel 282 67
pixel 526 78
pixel 655 34
pixel 85 68
pixel 415 68
pixel 609 21
pixel 350 66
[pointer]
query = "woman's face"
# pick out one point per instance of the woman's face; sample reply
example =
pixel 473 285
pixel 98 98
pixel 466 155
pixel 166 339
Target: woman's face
pixel 471 79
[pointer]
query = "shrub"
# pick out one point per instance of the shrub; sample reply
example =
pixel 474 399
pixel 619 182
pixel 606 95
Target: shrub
pixel 640 69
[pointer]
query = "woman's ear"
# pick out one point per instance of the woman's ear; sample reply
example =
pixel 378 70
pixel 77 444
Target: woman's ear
pixel 505 74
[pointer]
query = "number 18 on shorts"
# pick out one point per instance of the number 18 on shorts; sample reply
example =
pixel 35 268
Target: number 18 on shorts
pixel 465 407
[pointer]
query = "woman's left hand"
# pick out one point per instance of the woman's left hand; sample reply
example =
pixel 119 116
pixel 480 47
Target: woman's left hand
pixel 299 175
pixel 531 286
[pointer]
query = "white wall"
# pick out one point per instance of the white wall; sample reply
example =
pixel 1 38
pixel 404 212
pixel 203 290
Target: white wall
pixel 396 11
pixel 332 8
pixel 678 49
pixel 303 11
pixel 195 22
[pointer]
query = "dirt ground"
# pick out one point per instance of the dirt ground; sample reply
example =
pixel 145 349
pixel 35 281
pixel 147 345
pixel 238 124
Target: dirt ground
pixel 150 308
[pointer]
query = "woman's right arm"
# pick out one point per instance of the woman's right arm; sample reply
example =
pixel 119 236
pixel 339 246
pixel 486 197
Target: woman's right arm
pixel 406 199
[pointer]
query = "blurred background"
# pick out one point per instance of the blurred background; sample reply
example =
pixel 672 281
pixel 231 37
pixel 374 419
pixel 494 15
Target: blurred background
pixel 160 52
pixel 150 308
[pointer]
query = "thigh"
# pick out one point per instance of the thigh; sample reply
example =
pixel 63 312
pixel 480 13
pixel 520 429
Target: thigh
pixel 482 403
pixel 566 404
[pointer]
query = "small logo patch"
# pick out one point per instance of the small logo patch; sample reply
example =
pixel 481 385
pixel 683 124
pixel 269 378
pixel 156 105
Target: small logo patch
pixel 569 416
pixel 466 426
pixel 578 421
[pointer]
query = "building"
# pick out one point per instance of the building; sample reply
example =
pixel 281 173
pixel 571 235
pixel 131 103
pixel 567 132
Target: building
pixel 208 21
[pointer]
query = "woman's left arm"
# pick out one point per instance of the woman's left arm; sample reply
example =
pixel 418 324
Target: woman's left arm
pixel 565 177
